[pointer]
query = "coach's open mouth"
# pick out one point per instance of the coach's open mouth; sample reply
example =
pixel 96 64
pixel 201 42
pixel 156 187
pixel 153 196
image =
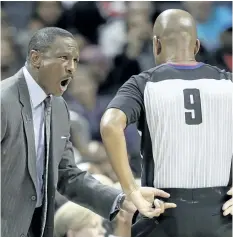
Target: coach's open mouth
pixel 65 82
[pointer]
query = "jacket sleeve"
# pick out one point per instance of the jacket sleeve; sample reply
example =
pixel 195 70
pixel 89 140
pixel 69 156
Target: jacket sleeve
pixel 80 187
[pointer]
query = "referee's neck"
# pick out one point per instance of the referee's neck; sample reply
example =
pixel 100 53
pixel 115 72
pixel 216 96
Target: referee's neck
pixel 178 56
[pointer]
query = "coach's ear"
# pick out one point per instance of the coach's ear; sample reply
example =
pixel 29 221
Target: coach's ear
pixel 197 47
pixel 35 59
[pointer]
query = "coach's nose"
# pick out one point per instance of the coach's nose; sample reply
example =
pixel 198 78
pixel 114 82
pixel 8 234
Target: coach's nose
pixel 70 67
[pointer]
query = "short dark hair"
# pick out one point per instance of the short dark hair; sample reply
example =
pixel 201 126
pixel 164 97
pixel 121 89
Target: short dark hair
pixel 43 38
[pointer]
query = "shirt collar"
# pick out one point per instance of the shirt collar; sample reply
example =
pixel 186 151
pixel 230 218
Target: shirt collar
pixel 36 93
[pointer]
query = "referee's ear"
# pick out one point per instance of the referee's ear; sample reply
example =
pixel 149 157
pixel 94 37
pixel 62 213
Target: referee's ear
pixel 197 47
pixel 156 45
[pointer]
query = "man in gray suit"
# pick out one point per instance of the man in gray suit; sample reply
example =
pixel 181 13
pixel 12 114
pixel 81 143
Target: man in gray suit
pixel 36 152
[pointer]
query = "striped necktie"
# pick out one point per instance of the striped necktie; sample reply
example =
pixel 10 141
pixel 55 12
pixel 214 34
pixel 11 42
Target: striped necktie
pixel 47 125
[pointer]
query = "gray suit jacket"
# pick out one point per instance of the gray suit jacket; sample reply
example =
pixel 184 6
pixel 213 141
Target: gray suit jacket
pixel 18 164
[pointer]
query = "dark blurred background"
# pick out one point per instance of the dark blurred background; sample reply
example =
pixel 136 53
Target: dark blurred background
pixel 115 41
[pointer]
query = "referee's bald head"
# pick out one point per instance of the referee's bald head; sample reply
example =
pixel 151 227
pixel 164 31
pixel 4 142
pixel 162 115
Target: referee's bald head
pixel 175 37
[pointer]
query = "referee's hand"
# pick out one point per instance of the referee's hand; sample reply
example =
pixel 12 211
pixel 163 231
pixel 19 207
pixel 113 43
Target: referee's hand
pixel 227 207
pixel 144 200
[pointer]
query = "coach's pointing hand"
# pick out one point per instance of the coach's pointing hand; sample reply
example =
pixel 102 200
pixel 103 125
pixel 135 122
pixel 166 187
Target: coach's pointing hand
pixel 143 199
pixel 228 206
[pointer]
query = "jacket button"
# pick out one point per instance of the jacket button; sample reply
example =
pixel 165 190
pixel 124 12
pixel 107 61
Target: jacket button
pixel 33 198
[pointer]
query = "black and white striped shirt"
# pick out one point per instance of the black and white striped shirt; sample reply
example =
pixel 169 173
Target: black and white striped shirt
pixel 185 116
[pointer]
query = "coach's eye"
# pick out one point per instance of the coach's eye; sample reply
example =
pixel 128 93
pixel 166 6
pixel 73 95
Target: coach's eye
pixel 64 57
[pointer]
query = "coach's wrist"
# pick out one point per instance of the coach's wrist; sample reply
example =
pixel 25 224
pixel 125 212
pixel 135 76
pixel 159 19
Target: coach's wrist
pixel 128 206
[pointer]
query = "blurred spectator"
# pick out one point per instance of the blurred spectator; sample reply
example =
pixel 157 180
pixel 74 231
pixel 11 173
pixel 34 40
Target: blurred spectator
pixel 97 62
pixel 6 29
pixel 86 18
pixel 53 13
pixel 81 90
pixel 112 35
pixel 212 21
pixel 35 23
pixel 49 12
pixel 203 55
pixel 82 98
pixel 81 40
pixel 10 58
pixel 82 95
pixel 68 4
pixel 89 151
pixel 24 35
pixel 222 58
pixel 72 220
pixel 139 38
pixel 137 53
pixel 18 12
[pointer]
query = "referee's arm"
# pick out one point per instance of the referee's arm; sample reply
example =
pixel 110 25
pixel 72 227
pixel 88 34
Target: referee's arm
pixel 124 109
pixel 112 130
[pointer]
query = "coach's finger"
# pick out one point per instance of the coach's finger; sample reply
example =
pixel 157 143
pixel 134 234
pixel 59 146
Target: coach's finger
pixel 227 204
pixel 228 211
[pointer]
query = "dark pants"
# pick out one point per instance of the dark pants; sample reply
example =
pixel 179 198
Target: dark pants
pixel 198 214
pixel 36 223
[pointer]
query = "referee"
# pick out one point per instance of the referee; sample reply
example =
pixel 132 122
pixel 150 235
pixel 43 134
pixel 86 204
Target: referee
pixel 183 109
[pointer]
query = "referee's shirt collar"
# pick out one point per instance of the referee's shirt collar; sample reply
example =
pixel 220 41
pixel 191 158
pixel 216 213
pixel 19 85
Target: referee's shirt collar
pixel 185 66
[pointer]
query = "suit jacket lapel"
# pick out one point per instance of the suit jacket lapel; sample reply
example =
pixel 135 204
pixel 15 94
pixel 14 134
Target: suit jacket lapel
pixel 52 134
pixel 28 124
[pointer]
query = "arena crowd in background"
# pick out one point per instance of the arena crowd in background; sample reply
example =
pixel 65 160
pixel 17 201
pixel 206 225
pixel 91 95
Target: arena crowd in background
pixel 115 41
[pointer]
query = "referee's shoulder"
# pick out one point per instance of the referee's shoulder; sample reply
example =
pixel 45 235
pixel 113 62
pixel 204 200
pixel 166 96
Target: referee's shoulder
pixel 147 74
pixel 223 73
